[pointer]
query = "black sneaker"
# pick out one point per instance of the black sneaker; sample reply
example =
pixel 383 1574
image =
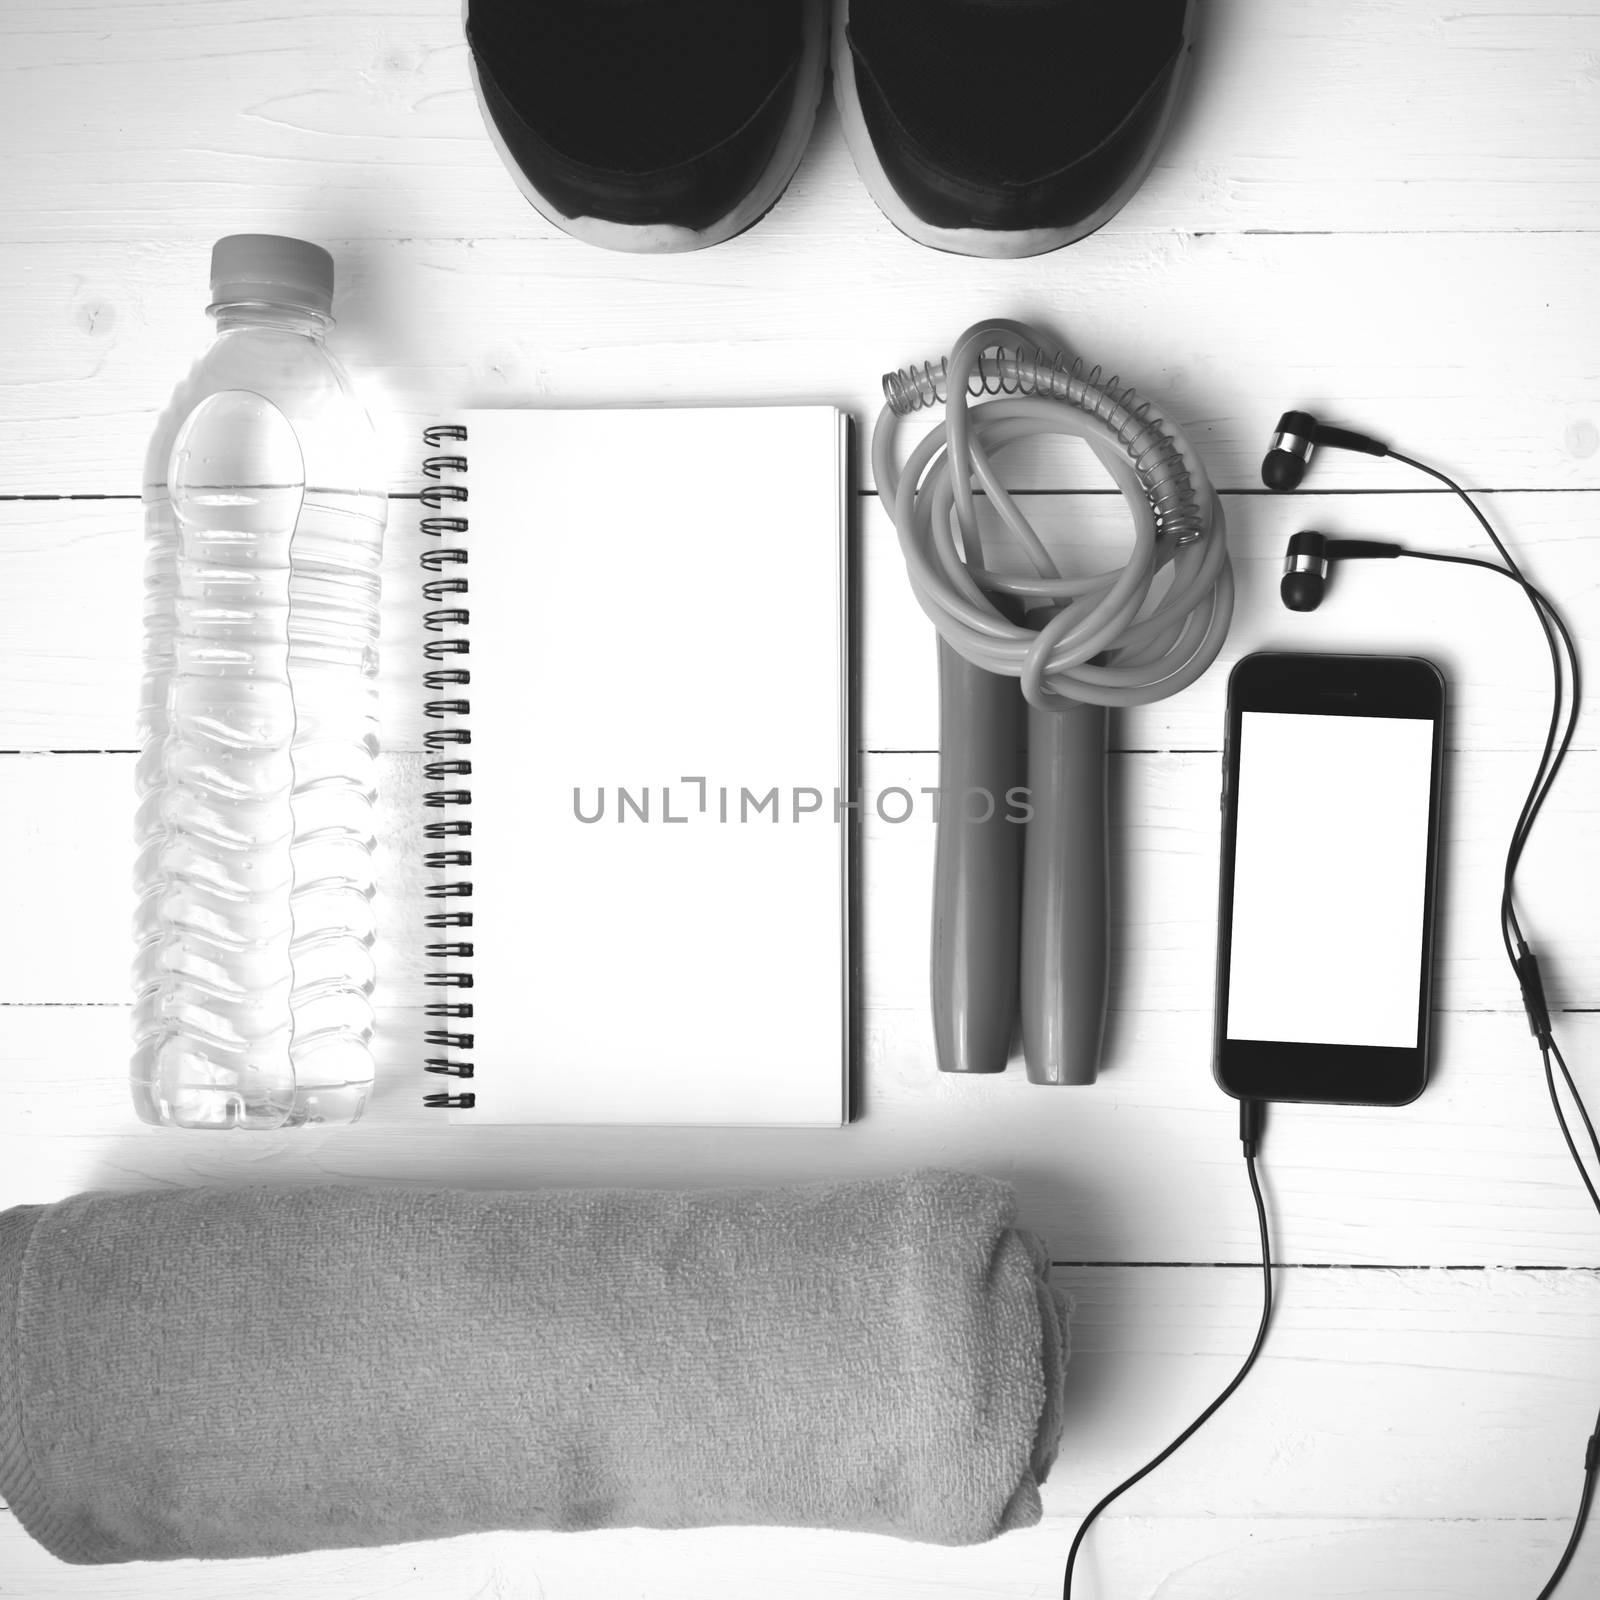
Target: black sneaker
pixel 649 124
pixel 1006 127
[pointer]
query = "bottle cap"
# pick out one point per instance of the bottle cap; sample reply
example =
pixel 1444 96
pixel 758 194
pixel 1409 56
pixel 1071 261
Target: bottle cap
pixel 269 267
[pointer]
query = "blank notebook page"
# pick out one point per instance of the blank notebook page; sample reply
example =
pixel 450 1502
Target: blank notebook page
pixel 658 720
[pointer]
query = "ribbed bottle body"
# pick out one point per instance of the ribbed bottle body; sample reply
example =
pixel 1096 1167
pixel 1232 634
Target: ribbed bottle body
pixel 257 771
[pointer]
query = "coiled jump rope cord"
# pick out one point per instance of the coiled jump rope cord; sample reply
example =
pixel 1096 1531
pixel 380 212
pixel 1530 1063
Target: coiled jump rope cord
pixel 1099 640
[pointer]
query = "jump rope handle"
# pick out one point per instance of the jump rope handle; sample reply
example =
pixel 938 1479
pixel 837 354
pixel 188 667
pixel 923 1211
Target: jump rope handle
pixel 1066 902
pixel 977 870
pixel 1021 894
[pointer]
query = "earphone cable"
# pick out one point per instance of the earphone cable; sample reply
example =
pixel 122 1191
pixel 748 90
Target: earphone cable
pixel 1591 1468
pixel 1566 702
pixel 1583 1110
pixel 1561 1120
pixel 1251 1119
pixel 1570 690
pixel 1566 705
pixel 1565 708
pixel 1567 688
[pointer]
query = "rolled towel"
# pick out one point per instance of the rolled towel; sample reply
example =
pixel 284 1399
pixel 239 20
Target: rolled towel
pixel 214 1372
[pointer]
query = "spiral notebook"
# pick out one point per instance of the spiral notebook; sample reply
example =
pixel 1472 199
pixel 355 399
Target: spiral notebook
pixel 638 765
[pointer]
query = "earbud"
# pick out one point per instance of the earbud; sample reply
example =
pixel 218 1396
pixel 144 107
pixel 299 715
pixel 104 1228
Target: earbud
pixel 1305 570
pixel 1298 435
pixel 1306 563
pixel 1286 462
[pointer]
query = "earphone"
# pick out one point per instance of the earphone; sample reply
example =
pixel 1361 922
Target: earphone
pixel 1307 564
pixel 1294 443
pixel 1305 567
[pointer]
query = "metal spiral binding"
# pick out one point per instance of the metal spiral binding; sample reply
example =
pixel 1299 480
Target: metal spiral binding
pixel 1034 370
pixel 444 762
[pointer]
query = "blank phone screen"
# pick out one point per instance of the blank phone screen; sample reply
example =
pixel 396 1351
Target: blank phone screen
pixel 1330 879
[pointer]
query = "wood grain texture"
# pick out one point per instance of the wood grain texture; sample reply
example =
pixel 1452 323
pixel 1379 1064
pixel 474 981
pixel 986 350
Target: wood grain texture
pixel 1143 1167
pixel 1134 1557
pixel 1463 346
pixel 1385 211
pixel 77 640
pixel 1298 117
pixel 73 849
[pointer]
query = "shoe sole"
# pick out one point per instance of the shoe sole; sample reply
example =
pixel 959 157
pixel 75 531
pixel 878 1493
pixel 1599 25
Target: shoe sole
pixel 664 238
pixel 994 243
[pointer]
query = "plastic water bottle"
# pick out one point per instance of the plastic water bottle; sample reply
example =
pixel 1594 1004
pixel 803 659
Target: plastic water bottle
pixel 264 516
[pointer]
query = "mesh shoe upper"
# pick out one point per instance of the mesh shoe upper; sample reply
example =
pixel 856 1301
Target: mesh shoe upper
pixel 1011 114
pixel 639 111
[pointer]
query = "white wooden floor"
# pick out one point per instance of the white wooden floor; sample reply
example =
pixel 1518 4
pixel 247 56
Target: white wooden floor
pixel 1385 210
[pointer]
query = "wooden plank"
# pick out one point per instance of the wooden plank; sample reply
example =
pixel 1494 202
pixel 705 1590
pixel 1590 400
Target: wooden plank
pixel 1134 1558
pixel 74 629
pixel 1375 115
pixel 73 634
pixel 1469 350
pixel 1391 1404
pixel 1412 1410
pixel 1479 629
pixel 1142 1167
pixel 73 849
pixel 1165 845
pixel 1405 1434
pixel 1485 1149
pixel 72 835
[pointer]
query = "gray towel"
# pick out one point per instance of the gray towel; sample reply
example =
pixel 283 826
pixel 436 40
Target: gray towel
pixel 215 1372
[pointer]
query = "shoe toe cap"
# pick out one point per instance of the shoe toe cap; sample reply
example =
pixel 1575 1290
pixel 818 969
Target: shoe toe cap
pixel 641 115
pixel 1020 118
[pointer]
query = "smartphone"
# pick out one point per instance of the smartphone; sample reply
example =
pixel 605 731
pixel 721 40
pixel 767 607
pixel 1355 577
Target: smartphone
pixel 1330 837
